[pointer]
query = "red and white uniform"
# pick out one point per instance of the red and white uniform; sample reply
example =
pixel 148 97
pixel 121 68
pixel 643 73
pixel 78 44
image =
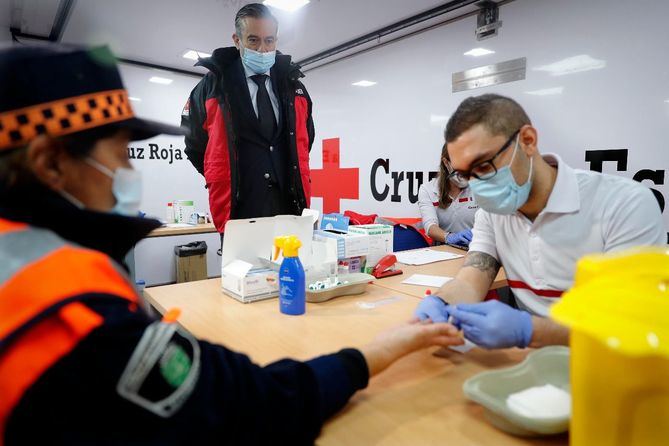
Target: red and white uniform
pixel 587 212
pixel 458 216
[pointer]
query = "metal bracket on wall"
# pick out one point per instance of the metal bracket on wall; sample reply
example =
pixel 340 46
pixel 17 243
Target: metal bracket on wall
pixel 487 20
pixel 485 76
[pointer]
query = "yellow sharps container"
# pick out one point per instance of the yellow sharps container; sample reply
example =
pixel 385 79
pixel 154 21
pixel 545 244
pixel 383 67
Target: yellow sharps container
pixel 618 311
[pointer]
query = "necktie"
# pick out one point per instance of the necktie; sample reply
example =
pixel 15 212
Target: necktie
pixel 265 111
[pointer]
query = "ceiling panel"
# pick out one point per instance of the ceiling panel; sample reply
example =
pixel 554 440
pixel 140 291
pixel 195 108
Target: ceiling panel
pixel 159 31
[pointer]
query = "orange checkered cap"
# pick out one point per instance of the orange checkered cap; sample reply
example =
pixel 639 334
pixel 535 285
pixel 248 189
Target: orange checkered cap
pixel 57 90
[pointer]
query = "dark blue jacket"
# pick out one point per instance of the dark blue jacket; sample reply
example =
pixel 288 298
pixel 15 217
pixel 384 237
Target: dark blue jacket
pixel 233 402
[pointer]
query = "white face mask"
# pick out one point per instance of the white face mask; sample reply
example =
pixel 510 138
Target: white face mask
pixel 126 187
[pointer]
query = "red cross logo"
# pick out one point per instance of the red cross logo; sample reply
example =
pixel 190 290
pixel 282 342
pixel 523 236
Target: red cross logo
pixel 332 182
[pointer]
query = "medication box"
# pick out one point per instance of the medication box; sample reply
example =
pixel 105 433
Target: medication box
pixel 348 244
pixel 183 209
pixel 248 284
pixel 380 239
pixel 247 271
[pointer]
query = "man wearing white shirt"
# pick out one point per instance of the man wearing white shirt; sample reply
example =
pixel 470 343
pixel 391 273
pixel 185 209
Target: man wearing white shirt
pixel 538 217
pixel 250 125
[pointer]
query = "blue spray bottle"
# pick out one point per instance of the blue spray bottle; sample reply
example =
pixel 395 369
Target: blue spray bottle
pixel 291 276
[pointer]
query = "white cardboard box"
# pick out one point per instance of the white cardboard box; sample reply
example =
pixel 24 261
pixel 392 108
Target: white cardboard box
pixel 246 262
pixel 348 244
pixel 380 242
pixel 248 284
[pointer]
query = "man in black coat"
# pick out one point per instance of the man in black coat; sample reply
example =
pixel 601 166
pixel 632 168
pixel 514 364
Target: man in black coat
pixel 250 124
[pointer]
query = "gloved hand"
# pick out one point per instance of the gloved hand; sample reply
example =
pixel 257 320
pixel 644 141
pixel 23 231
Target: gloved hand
pixel 460 238
pixel 493 324
pixel 434 308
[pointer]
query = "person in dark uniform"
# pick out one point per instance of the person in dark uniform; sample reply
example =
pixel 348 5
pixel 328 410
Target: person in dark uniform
pixel 81 361
pixel 250 125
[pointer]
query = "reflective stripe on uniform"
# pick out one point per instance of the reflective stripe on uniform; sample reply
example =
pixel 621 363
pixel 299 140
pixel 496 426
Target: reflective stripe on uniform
pixel 22 246
pixel 41 276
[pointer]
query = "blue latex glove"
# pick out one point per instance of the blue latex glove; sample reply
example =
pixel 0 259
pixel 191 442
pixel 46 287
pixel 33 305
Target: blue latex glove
pixel 460 238
pixel 493 324
pixel 434 308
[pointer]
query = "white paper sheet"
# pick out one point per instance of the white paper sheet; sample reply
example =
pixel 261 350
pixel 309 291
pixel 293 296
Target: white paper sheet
pixel 424 256
pixel 426 280
pixel 464 348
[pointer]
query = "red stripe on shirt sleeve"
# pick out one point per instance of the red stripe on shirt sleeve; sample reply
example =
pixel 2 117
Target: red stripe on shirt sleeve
pixel 542 293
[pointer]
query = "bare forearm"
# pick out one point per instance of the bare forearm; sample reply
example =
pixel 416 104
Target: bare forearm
pixel 459 292
pixel 472 281
pixel 378 358
pixel 392 344
pixel 546 332
pixel 436 233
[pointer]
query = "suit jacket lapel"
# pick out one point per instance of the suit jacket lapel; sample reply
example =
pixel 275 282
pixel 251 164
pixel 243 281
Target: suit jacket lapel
pixel 239 90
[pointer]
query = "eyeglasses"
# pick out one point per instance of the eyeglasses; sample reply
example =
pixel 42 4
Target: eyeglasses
pixel 485 169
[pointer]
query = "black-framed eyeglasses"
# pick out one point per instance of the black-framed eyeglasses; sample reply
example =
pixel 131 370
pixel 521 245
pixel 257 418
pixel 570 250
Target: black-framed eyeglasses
pixel 485 169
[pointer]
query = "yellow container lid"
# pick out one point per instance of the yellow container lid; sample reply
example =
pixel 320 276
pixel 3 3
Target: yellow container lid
pixel 622 300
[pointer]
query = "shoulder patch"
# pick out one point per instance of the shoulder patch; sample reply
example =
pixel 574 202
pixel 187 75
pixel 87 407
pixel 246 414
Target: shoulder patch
pixel 299 91
pixel 175 355
pixel 186 110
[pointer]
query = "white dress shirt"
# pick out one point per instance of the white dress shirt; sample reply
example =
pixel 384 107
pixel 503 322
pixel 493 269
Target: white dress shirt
pixel 253 91
pixel 587 212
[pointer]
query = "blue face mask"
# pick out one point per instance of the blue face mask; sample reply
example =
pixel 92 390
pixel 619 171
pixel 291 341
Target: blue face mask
pixel 126 187
pixel 259 63
pixel 501 194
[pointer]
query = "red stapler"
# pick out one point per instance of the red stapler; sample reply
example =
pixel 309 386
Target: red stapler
pixel 386 267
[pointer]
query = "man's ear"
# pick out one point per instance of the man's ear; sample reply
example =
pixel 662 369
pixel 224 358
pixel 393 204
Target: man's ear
pixel 236 40
pixel 529 140
pixel 44 158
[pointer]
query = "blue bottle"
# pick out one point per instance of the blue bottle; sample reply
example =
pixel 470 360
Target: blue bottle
pixel 292 295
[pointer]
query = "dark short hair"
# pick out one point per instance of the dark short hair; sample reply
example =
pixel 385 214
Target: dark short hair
pixel 499 115
pixel 253 10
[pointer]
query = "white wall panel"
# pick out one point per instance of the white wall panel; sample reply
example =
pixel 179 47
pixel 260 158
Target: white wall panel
pixel 623 104
pixel 165 176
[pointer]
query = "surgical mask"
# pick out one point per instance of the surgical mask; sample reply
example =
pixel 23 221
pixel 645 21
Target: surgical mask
pixel 126 187
pixel 259 63
pixel 501 194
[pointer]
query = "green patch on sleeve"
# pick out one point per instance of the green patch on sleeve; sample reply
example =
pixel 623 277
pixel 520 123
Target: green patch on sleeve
pixel 175 365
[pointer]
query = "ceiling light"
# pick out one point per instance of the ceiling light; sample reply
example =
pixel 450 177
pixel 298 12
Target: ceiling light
pixel 286 5
pixel 546 91
pixel 195 55
pixel 160 80
pixel 134 99
pixel 364 83
pixel 575 64
pixel 476 52
pixel 438 119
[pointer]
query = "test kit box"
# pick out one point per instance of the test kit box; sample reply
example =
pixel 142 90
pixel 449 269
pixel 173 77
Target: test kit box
pixel 183 210
pixel 248 273
pixel 336 222
pixel 348 244
pixel 248 284
pixel 380 238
